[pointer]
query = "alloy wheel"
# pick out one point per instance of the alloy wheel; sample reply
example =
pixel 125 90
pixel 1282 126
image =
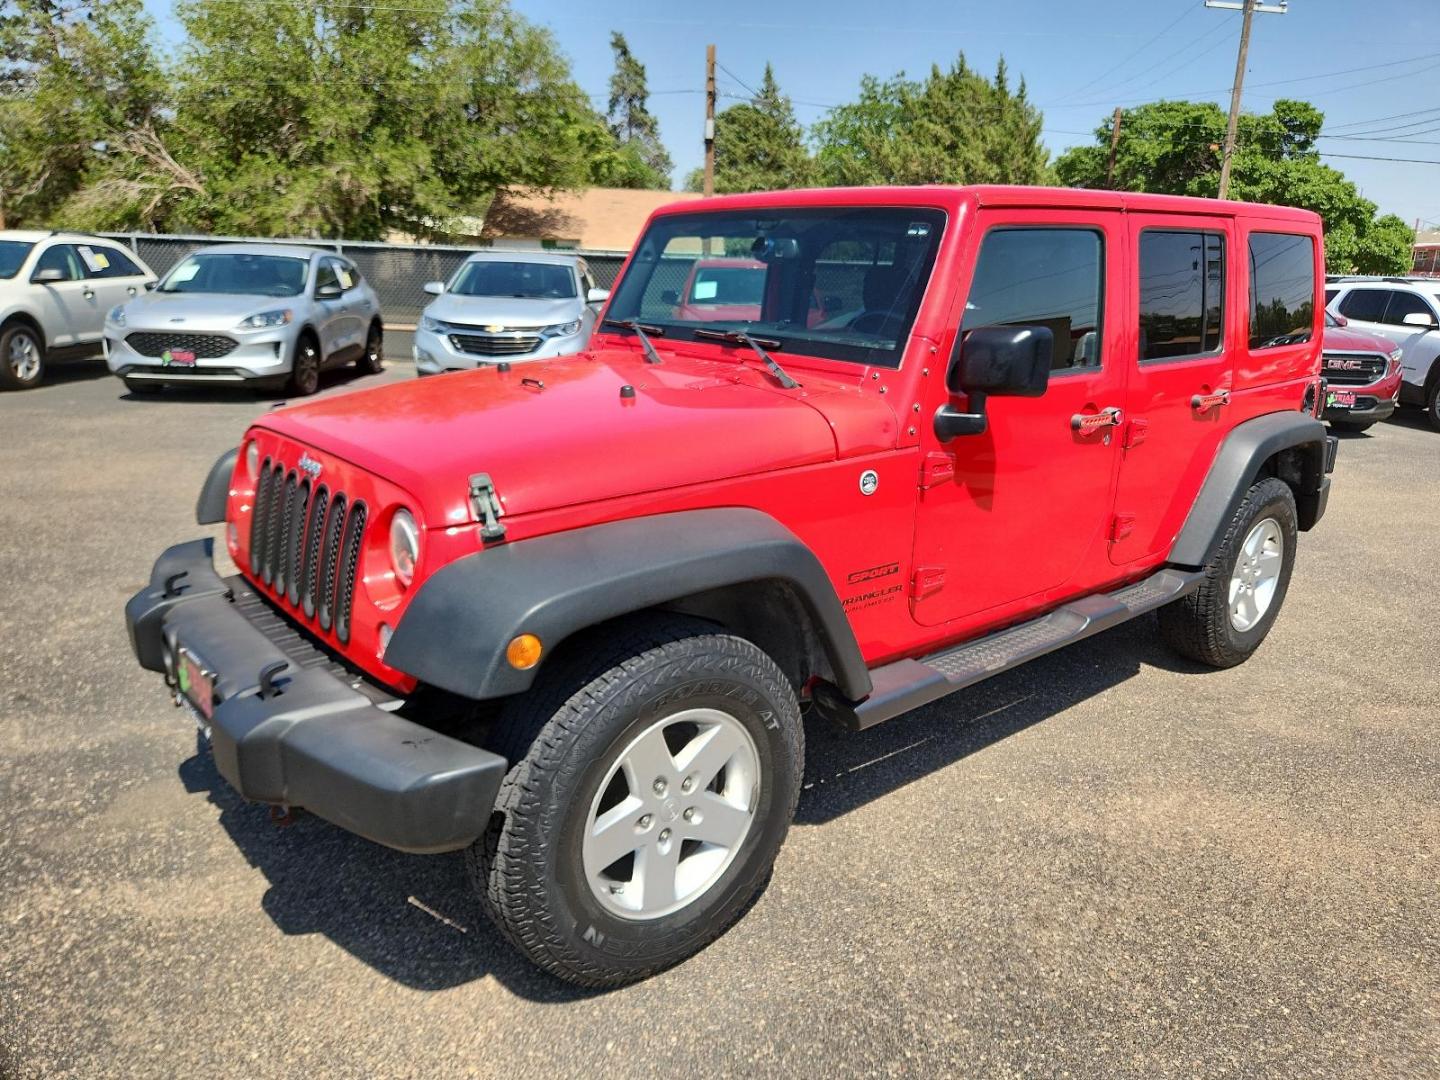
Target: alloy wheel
pixel 1256 574
pixel 671 814
pixel 23 356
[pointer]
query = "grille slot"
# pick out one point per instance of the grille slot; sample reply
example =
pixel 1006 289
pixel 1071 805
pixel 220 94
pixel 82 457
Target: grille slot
pixel 295 543
pixel 257 523
pixel 329 560
pixel 1350 369
pixel 349 565
pixel 204 346
pixel 272 524
pixel 486 345
pixel 313 533
pixel 287 515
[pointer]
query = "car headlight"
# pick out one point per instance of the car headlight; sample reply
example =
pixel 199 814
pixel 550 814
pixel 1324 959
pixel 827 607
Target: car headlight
pixel 117 315
pixel 267 319
pixel 561 329
pixel 435 326
pixel 1397 355
pixel 404 546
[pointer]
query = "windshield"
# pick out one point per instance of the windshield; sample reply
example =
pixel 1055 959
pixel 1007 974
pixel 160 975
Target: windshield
pixel 238 273
pixel 12 256
pixel 526 280
pixel 837 282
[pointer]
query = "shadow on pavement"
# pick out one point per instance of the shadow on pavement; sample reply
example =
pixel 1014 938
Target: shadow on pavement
pixel 330 380
pixel 415 919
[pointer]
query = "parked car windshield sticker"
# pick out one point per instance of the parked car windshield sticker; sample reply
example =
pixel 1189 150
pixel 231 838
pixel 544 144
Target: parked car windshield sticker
pixel 95 260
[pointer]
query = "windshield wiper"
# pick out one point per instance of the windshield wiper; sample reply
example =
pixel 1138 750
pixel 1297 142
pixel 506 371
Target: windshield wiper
pixel 740 337
pixel 643 332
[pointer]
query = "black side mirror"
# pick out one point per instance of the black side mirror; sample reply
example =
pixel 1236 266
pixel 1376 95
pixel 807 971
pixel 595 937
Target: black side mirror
pixel 1007 361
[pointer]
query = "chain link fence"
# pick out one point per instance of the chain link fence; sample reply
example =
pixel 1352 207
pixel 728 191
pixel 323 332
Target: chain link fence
pixel 397 272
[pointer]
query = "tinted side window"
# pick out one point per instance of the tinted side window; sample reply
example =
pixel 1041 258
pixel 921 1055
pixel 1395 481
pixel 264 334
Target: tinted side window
pixel 1282 289
pixel 60 257
pixel 1182 293
pixel 1404 303
pixel 1042 277
pixel 107 262
pixel 1367 305
pixel 1330 295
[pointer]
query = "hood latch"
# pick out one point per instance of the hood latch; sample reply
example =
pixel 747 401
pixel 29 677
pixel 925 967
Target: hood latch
pixel 486 505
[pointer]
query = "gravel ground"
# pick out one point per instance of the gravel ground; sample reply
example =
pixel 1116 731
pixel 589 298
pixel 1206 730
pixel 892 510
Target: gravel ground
pixel 1109 863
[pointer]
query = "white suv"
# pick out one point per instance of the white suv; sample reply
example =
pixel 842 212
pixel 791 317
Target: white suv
pixel 1407 312
pixel 55 289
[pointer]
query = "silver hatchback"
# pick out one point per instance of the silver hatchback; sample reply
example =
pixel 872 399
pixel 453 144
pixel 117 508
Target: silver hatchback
pixel 267 315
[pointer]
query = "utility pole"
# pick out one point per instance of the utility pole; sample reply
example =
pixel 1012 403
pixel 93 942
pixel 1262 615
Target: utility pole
pixel 1114 144
pixel 1249 7
pixel 709 187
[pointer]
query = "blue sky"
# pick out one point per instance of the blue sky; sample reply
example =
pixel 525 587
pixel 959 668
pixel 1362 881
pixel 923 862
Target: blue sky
pixel 1080 58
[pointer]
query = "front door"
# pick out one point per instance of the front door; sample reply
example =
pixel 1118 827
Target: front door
pixel 1019 512
pixel 331 314
pixel 1182 369
pixel 70 310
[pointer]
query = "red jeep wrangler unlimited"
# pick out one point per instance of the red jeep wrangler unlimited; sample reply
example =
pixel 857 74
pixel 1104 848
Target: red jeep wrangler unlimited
pixel 566 619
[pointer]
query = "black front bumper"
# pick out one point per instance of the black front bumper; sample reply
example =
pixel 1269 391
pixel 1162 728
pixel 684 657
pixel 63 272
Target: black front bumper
pixel 311 740
pixel 1368 408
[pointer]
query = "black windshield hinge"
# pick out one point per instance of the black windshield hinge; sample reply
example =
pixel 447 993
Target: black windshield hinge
pixel 486 505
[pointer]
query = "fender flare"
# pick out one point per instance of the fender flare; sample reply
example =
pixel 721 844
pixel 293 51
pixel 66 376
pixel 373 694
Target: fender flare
pixel 1236 466
pixel 455 630
pixel 215 492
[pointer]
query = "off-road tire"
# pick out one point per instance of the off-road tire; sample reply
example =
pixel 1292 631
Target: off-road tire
pixel 305 370
pixel 143 389
pixel 10 378
pixel 1198 626
pixel 562 739
pixel 372 360
pixel 1355 426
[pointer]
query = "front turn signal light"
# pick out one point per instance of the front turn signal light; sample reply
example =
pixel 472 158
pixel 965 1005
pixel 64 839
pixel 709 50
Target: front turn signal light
pixel 523 652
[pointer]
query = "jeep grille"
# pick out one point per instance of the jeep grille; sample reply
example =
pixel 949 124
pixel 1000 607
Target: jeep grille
pixel 305 544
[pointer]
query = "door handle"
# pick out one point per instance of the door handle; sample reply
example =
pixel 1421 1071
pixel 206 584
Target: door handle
pixel 130 290
pixel 1205 402
pixel 1085 423
pixel 88 293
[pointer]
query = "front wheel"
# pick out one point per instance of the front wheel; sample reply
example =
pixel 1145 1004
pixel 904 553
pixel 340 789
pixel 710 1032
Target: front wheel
pixel 305 372
pixel 22 358
pixel 1227 618
pixel 647 811
pixel 372 360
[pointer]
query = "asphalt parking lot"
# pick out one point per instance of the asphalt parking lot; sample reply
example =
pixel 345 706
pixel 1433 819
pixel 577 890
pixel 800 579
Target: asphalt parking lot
pixel 1109 863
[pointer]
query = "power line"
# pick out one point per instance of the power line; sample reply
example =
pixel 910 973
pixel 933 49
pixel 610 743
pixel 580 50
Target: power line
pixel 737 78
pixel 1189 9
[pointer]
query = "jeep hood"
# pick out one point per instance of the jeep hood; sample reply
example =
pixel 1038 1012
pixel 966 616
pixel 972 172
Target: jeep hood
pixel 575 439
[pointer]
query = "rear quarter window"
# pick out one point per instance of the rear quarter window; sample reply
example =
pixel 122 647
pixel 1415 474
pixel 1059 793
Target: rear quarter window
pixel 1282 289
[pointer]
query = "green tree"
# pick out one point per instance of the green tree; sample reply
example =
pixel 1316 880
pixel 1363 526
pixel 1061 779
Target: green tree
pixel 642 161
pixel 75 78
pixel 352 118
pixel 953 127
pixel 759 145
pixel 1174 147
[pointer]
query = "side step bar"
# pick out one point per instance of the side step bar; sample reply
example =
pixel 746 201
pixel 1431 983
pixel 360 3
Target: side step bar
pixel 908 684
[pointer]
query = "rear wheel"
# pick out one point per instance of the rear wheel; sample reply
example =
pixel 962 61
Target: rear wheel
pixel 643 817
pixel 372 360
pixel 22 358
pixel 1227 618
pixel 305 373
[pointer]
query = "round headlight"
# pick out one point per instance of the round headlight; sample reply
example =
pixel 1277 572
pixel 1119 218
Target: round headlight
pixel 404 546
pixel 252 460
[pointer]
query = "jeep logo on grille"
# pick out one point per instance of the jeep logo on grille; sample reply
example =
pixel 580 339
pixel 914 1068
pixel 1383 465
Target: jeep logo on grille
pixel 1345 365
pixel 310 466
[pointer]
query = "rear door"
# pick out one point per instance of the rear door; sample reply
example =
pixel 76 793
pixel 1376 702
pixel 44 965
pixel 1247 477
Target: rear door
pixel 1020 510
pixel 1419 343
pixel 112 273
pixel 1181 372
